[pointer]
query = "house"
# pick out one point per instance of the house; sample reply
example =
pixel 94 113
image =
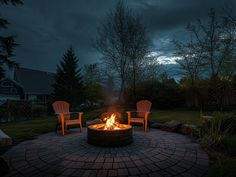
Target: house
pixel 27 84
pixel 10 89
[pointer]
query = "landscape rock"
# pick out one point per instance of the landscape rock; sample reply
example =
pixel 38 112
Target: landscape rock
pixel 171 126
pixel 5 140
pixel 156 125
pixel 187 129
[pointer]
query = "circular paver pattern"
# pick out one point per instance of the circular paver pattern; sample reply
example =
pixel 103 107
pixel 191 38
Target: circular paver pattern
pixel 155 153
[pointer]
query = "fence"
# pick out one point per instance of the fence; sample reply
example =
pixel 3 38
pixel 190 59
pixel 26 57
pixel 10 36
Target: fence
pixel 212 98
pixel 13 110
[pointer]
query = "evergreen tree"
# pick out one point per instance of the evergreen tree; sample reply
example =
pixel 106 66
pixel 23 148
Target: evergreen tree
pixel 7 43
pixel 68 82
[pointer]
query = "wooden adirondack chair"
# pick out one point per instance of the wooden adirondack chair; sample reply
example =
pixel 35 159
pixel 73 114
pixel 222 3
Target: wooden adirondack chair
pixel 62 110
pixel 143 108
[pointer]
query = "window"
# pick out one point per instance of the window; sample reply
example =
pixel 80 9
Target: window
pixel 6 84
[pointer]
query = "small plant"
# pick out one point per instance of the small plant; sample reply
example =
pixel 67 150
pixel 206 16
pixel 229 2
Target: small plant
pixel 224 169
pixel 38 110
pixel 230 145
pixel 212 132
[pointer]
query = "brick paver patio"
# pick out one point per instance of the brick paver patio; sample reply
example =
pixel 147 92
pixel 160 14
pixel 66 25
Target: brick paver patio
pixel 156 153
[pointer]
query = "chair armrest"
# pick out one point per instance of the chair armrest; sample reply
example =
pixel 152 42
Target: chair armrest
pixel 68 113
pixel 138 111
pixel 75 112
pixel 61 113
pixel 130 111
pixel 144 111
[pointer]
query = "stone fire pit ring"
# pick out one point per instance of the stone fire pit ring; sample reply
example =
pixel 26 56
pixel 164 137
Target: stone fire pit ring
pixel 110 138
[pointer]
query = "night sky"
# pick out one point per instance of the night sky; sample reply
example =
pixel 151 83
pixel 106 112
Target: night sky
pixel 46 28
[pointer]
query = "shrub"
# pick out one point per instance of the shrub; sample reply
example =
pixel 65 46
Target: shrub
pixel 13 110
pixel 38 110
pixel 224 169
pixel 229 120
pixel 213 131
pixel 230 145
pixel 3 114
pixel 166 94
pixel 50 110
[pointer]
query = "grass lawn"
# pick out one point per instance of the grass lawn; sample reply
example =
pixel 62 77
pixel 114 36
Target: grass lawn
pixel 28 129
pixel 182 115
pixel 25 130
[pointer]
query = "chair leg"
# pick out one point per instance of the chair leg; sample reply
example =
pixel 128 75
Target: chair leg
pixel 63 129
pixel 56 127
pixel 80 127
pixel 66 128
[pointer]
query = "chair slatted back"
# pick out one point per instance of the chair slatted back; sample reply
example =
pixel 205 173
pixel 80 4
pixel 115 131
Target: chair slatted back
pixel 142 107
pixel 62 107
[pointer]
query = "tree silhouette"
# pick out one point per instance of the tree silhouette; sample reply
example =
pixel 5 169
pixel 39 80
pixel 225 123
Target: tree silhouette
pixel 7 43
pixel 92 83
pixel 123 43
pixel 68 84
pixel 209 54
pixel 12 2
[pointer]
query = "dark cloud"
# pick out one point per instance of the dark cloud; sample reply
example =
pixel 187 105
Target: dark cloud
pixel 45 29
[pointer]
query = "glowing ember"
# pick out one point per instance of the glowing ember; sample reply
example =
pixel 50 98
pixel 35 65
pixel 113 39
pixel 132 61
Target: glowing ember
pixel 111 123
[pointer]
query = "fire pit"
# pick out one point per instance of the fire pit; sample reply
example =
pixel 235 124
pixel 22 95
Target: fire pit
pixel 110 133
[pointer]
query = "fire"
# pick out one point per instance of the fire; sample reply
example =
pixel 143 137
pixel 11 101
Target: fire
pixel 111 123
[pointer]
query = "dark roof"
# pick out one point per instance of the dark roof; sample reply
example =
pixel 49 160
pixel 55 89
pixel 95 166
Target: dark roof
pixel 34 81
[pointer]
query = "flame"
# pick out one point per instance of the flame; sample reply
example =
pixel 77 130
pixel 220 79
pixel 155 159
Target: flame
pixel 111 123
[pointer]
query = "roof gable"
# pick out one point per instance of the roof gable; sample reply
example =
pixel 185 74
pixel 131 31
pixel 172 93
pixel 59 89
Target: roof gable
pixel 34 81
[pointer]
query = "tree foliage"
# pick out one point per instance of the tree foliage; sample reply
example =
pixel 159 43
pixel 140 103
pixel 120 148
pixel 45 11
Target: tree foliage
pixel 92 74
pixel 211 48
pixel 189 59
pixel 208 54
pixel 68 84
pixel 123 43
pixel 92 83
pixel 7 43
pixel 163 94
pixel 12 2
pixel 151 69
